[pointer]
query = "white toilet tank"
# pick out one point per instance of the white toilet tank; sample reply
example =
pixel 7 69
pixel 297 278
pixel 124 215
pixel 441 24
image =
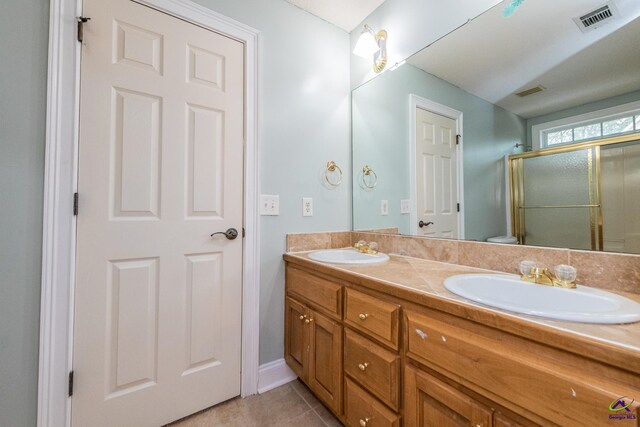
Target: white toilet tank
pixel 503 239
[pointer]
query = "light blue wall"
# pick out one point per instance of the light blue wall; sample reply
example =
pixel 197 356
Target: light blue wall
pixel 23 49
pixel 582 109
pixel 381 139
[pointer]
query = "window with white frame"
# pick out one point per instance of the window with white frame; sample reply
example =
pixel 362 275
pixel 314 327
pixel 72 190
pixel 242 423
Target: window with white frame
pixel 614 121
pixel 601 128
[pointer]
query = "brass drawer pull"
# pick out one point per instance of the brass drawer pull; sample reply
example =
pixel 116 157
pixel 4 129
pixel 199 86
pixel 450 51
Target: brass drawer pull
pixel 363 316
pixel 364 422
pixel 363 366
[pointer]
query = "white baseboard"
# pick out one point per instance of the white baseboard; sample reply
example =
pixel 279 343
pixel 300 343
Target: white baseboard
pixel 274 374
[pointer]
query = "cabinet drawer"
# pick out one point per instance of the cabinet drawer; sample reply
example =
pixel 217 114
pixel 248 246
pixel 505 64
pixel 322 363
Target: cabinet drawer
pixel 430 402
pixel 376 369
pixel 376 318
pixel 567 391
pixel 363 410
pixel 315 290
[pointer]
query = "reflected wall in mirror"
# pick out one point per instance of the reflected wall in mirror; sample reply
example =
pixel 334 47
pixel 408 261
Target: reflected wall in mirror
pixel 439 130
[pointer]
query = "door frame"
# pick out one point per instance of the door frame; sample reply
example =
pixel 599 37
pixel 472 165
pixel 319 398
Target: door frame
pixel 60 183
pixel 416 101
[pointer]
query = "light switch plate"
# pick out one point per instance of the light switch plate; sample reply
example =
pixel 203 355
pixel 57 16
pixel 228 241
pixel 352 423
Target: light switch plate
pixel 384 207
pixel 307 206
pixel 269 204
pixel 405 206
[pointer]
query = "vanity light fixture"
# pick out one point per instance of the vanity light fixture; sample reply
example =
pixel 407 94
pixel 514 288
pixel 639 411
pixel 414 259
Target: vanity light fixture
pixel 372 44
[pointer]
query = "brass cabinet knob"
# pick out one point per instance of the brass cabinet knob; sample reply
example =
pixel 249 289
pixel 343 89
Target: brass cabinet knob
pixel 363 316
pixel 364 422
pixel 363 366
pixel 303 317
pixel 308 321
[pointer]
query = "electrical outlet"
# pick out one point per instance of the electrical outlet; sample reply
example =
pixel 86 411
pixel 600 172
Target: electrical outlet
pixel 307 206
pixel 405 206
pixel 269 204
pixel 384 207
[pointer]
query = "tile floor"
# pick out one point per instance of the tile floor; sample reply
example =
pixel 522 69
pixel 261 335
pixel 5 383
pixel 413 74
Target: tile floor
pixel 289 405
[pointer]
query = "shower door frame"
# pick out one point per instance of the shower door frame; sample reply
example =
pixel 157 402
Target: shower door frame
pixel 516 185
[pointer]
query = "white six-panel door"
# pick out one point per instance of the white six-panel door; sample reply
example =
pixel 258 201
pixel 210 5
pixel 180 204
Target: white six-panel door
pixel 436 175
pixel 157 331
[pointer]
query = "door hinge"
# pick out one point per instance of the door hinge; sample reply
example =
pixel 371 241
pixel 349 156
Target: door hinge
pixel 81 21
pixel 70 383
pixel 75 204
pixel 458 207
pixel 243 232
pixel 458 139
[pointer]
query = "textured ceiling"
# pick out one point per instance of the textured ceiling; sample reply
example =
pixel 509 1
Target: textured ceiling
pixel 346 14
pixel 493 57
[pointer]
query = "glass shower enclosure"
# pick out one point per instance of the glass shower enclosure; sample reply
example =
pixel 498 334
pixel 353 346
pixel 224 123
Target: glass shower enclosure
pixel 580 196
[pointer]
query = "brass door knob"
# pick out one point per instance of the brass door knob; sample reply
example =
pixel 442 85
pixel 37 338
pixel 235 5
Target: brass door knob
pixel 363 316
pixel 364 422
pixel 363 366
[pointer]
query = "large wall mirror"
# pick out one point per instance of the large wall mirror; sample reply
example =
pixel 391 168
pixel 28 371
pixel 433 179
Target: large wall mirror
pixel 520 129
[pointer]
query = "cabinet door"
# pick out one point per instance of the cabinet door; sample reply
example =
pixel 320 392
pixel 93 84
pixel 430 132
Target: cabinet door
pixel 430 402
pixel 296 341
pixel 502 420
pixel 325 360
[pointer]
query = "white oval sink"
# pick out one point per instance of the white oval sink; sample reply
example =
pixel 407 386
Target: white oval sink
pixel 347 256
pixel 508 292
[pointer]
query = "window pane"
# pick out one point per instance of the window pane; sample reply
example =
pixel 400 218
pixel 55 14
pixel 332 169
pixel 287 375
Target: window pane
pixel 638 122
pixel 554 138
pixel 567 135
pixel 586 132
pixel 623 124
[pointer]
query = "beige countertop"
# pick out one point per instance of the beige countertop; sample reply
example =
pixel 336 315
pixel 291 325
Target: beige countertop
pixel 421 281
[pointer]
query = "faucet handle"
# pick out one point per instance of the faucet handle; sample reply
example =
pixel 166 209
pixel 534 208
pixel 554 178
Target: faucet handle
pixel 565 275
pixel 527 266
pixel 565 272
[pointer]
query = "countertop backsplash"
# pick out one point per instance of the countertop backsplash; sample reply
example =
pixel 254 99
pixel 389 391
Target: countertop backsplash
pixel 604 270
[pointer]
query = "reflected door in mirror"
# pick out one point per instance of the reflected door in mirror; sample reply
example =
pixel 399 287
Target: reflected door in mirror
pixel 436 175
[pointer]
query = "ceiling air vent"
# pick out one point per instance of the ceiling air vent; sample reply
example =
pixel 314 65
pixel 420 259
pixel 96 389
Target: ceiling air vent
pixel 530 91
pixel 597 18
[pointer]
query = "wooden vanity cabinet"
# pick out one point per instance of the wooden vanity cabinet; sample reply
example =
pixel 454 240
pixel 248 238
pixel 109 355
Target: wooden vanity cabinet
pixel 376 359
pixel 315 348
pixel 313 335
